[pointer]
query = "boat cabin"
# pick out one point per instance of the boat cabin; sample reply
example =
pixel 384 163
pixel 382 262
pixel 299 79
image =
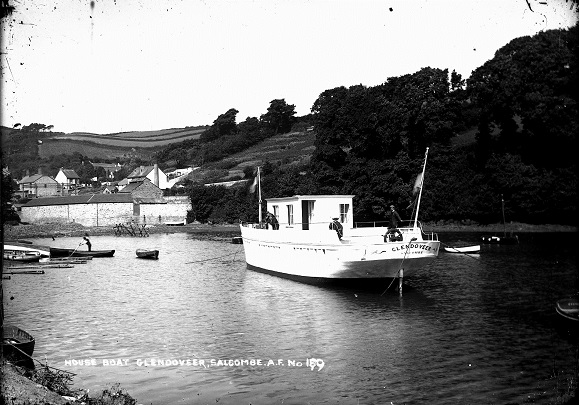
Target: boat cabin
pixel 312 211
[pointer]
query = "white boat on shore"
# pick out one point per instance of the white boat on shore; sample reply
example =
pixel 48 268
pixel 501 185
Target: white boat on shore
pixel 310 249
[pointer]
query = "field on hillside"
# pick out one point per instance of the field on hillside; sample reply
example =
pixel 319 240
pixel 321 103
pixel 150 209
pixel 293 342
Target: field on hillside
pixel 91 150
pixel 110 146
pixel 136 139
pixel 284 149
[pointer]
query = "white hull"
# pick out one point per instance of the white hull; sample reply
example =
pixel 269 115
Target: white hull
pixel 361 254
pixel 465 249
pixel 26 249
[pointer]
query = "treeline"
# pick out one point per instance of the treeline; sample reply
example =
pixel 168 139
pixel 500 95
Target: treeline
pixel 370 141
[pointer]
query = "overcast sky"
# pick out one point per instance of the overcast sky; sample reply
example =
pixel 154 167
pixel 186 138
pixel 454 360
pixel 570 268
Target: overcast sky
pixel 125 65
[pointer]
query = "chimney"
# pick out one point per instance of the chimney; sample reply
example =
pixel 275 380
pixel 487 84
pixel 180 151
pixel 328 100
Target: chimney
pixel 27 172
pixel 156 174
pixel 141 169
pixel 40 170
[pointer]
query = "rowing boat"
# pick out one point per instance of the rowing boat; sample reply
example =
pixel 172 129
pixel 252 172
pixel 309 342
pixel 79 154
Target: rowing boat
pixel 17 344
pixel 22 257
pixel 463 249
pixel 147 254
pixel 64 252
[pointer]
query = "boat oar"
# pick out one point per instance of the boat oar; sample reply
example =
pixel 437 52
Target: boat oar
pixel 401 263
pixel 458 251
pixel 75 250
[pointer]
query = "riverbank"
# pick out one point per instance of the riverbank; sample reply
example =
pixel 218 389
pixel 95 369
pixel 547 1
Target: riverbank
pixel 56 230
pixel 42 386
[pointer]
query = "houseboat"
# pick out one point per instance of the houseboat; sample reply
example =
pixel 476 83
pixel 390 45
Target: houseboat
pixel 313 238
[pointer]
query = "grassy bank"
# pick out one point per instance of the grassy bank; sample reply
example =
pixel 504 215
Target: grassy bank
pixel 42 386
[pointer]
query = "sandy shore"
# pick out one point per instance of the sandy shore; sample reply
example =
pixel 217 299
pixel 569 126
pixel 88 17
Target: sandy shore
pixel 14 232
pixel 56 230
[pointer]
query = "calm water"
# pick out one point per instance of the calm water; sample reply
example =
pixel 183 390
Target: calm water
pixel 468 330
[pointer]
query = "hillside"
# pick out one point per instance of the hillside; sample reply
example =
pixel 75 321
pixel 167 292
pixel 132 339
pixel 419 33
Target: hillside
pixel 294 148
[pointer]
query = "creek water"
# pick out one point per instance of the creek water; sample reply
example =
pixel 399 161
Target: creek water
pixel 198 327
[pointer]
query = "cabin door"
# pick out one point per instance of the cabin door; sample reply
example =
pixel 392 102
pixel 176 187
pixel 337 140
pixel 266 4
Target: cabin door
pixel 307 211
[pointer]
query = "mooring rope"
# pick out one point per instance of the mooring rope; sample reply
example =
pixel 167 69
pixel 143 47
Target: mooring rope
pixel 214 258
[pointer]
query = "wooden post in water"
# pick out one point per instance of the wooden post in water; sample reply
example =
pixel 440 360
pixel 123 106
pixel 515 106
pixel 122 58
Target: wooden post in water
pixel 400 279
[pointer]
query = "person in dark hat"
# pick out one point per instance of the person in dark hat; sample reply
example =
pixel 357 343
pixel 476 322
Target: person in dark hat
pixel 394 217
pixel 393 233
pixel 337 226
pixel 87 241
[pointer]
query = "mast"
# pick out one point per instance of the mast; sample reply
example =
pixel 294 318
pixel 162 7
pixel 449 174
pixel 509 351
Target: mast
pixel 420 194
pixel 259 192
pixel 504 222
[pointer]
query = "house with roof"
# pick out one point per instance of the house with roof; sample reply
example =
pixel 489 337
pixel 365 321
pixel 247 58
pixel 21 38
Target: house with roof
pixel 143 189
pixel 109 168
pixel 68 180
pixel 153 173
pixel 111 189
pixel 37 185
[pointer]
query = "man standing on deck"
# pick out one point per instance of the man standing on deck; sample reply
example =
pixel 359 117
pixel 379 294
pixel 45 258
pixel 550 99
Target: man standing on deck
pixel 394 217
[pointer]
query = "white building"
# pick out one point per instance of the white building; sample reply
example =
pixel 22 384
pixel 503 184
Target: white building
pixel 153 173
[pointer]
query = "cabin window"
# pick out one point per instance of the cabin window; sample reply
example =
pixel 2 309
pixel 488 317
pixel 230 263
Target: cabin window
pixel 290 214
pixel 344 208
pixel 276 211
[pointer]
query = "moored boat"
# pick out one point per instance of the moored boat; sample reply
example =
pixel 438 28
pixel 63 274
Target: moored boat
pixel 21 257
pixel 568 309
pixel 17 344
pixel 312 251
pixel 505 239
pixel 19 247
pixel 66 252
pixel 462 249
pixel 147 254
pixel 500 240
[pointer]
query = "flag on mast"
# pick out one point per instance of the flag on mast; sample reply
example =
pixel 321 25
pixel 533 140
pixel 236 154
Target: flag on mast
pixel 417 184
pixel 253 185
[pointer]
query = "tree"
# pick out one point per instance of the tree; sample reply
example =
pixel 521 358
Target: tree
pixel 529 93
pixel 279 117
pixel 225 124
pixel 7 190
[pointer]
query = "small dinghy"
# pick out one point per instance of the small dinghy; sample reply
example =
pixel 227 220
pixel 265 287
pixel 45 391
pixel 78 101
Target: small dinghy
pixel 17 345
pixel 463 249
pixel 147 254
pixel 22 257
pixel 568 309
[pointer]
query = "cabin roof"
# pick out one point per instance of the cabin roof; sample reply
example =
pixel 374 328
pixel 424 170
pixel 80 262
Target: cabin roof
pixel 312 197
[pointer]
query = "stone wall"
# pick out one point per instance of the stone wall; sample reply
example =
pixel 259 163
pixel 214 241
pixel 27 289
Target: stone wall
pixel 85 214
pixel 174 210
pixel 104 214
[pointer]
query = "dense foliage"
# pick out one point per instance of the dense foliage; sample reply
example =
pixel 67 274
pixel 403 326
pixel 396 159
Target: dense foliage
pixel 7 189
pixel 371 141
